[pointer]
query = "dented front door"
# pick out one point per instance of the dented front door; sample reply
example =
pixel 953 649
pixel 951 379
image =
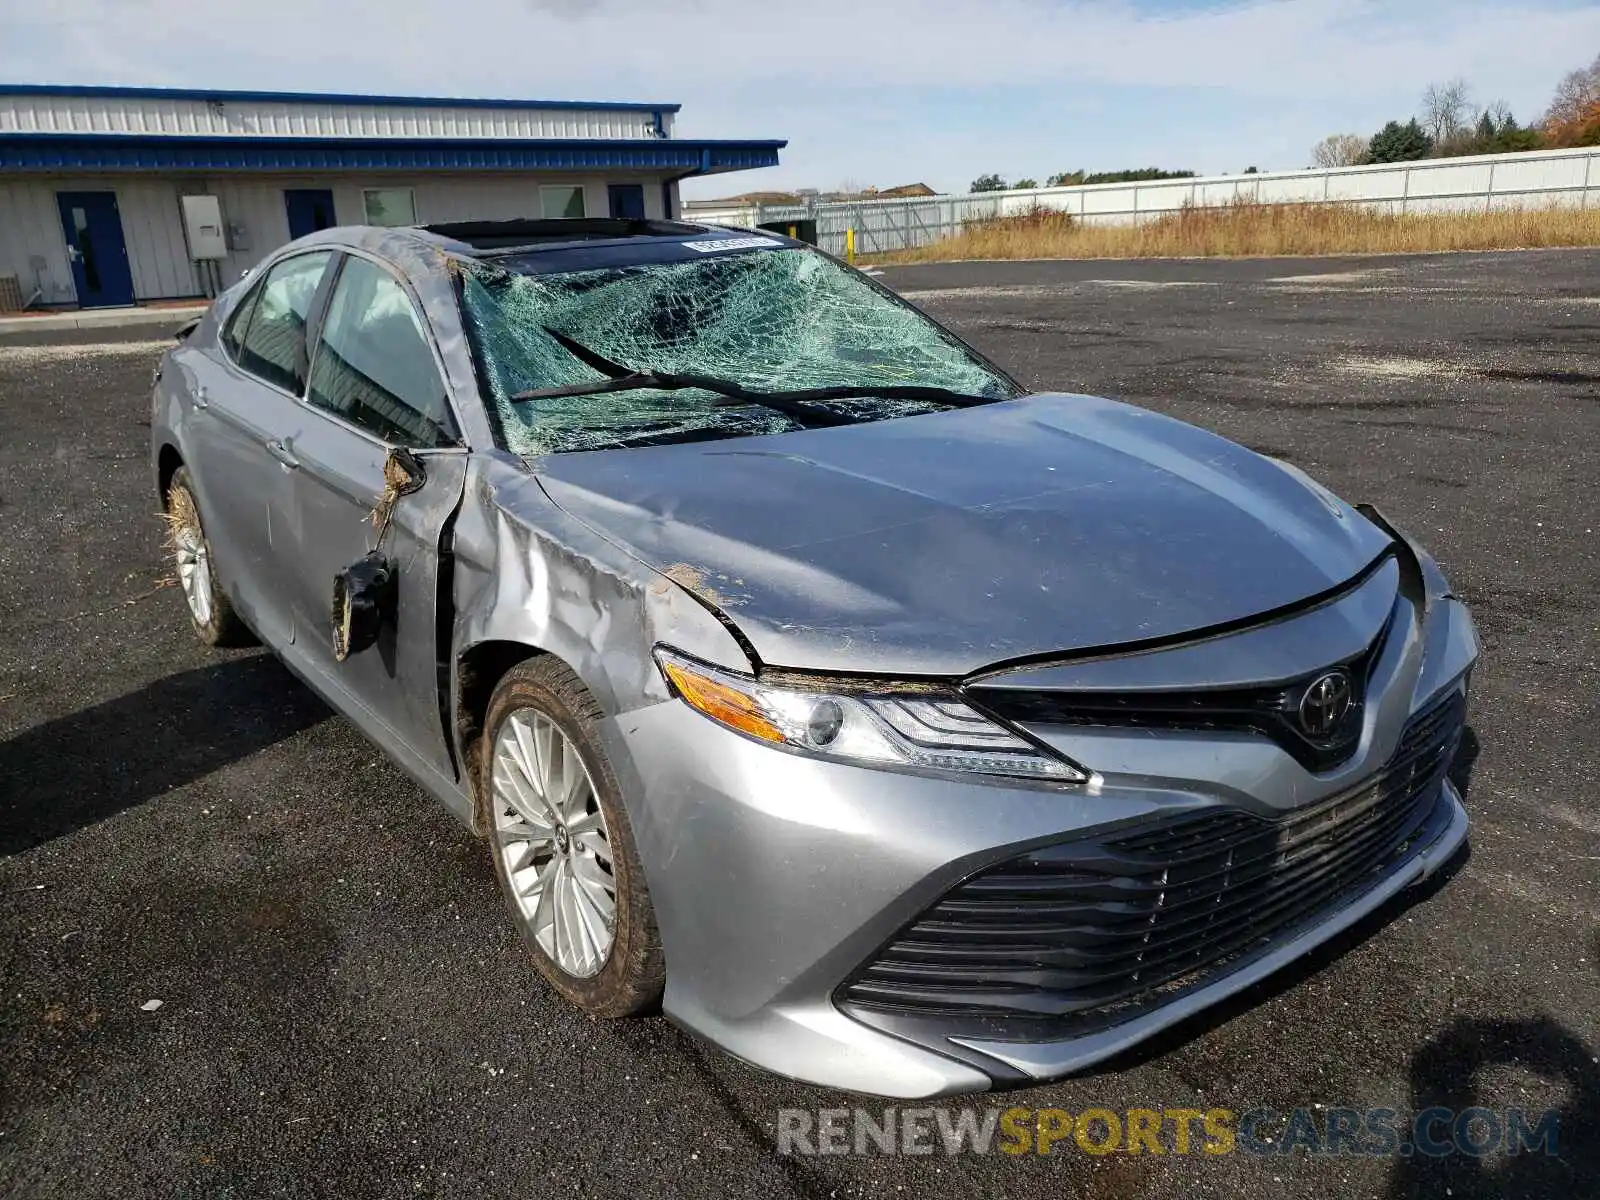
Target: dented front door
pixel 338 488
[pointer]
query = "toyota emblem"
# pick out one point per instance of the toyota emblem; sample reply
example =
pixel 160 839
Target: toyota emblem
pixel 1325 704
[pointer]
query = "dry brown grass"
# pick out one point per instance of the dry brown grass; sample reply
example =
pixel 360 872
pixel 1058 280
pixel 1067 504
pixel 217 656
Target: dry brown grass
pixel 1246 230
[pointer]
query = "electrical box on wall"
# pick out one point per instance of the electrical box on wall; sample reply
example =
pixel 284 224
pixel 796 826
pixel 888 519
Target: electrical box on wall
pixel 202 227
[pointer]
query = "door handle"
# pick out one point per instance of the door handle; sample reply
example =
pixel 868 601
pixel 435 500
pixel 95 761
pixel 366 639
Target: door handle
pixel 285 456
pixel 199 397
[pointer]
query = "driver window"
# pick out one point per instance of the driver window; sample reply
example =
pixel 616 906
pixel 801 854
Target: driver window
pixel 374 366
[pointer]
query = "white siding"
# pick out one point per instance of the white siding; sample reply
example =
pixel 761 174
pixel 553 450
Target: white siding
pixel 30 228
pixel 44 113
pixel 152 225
pixel 254 209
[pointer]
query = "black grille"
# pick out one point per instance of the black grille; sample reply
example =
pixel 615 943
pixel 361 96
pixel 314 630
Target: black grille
pixel 1091 932
pixel 1270 709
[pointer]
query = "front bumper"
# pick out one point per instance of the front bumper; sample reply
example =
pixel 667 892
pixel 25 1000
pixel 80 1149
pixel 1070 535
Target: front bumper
pixel 777 877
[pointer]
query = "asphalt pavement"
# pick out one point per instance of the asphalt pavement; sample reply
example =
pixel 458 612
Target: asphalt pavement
pixel 345 1010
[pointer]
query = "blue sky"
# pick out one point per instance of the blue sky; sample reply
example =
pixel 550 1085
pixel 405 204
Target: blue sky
pixel 886 92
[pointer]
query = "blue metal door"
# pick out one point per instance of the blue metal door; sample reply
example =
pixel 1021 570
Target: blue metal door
pixel 627 200
pixel 310 209
pixel 93 229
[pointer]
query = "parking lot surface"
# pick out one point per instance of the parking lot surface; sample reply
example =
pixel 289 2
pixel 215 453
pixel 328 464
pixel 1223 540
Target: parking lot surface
pixel 346 1010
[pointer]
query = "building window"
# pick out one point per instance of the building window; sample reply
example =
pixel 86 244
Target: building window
pixel 389 206
pixel 561 201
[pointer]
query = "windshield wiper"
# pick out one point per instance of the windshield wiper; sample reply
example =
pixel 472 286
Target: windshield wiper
pixel 791 403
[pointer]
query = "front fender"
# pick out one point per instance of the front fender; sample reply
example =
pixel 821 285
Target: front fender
pixel 527 573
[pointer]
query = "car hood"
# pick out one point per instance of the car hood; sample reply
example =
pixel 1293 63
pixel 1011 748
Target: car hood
pixel 944 543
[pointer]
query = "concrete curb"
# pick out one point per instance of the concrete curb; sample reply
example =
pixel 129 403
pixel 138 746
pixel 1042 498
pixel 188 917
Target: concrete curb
pixel 11 327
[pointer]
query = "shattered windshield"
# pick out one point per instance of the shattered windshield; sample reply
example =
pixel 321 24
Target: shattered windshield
pixel 770 320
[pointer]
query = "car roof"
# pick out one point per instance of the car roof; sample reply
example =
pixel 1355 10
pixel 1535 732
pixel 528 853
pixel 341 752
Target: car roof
pixel 551 245
pixel 525 234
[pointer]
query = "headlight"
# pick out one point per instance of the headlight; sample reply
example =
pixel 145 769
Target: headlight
pixel 883 725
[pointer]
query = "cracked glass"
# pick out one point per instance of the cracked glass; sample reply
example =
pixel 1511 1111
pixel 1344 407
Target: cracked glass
pixel 770 320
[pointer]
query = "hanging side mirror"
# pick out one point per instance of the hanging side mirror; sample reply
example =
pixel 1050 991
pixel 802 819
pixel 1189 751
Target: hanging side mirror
pixel 365 593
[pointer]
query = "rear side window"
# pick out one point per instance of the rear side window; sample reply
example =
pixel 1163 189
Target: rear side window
pixel 238 322
pixel 275 340
pixel 374 366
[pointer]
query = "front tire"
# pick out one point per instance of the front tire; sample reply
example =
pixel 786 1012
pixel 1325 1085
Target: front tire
pixel 210 611
pixel 562 844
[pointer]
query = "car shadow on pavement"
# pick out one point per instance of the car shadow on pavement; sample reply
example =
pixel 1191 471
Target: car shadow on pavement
pixel 1446 1072
pixel 81 768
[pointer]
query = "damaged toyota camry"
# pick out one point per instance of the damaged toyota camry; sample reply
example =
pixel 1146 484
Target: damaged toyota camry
pixel 890 725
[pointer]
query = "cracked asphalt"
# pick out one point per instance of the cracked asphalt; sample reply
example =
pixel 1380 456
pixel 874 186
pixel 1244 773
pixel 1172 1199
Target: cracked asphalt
pixel 346 1012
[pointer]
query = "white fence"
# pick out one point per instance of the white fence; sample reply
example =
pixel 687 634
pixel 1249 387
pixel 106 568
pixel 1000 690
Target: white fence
pixel 1536 179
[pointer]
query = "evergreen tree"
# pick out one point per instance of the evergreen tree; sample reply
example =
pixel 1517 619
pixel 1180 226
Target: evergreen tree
pixel 1399 143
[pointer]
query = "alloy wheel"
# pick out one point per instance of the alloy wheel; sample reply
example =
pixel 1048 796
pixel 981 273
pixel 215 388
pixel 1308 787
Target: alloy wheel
pixel 553 843
pixel 194 559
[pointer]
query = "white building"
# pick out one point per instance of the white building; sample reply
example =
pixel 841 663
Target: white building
pixel 92 178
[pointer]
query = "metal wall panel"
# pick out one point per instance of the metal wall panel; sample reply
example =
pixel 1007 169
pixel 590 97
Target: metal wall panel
pixel 30 228
pixel 152 225
pixel 46 113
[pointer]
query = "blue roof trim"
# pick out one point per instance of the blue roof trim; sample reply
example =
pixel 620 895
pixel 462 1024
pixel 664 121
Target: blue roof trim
pixel 136 152
pixel 160 93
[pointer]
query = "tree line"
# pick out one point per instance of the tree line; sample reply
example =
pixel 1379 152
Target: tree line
pixel 996 183
pixel 1449 124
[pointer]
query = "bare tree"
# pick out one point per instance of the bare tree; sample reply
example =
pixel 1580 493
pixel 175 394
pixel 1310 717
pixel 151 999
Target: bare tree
pixel 1446 109
pixel 1576 94
pixel 1339 150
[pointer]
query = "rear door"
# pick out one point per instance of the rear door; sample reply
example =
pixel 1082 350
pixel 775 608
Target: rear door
pixel 375 383
pixel 245 401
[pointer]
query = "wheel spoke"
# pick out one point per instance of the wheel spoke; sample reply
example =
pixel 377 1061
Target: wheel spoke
pixel 516 790
pixel 575 791
pixel 544 906
pixel 588 871
pixel 544 736
pixel 520 847
pixel 595 921
pixel 561 906
pixel 591 930
pixel 595 843
pixel 521 746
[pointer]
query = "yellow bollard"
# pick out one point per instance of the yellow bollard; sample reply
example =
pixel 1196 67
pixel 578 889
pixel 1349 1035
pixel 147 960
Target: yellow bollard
pixel 850 246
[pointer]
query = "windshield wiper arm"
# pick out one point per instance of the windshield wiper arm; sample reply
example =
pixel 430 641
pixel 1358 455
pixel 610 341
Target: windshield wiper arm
pixel 621 378
pixel 592 358
pixel 732 394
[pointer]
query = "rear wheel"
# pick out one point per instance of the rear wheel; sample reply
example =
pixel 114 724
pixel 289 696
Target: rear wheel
pixel 210 611
pixel 562 844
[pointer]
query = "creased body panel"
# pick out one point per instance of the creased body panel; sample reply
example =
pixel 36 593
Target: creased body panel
pixel 528 573
pixel 940 544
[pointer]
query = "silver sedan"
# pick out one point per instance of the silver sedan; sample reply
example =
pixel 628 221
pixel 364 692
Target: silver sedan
pixel 887 724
